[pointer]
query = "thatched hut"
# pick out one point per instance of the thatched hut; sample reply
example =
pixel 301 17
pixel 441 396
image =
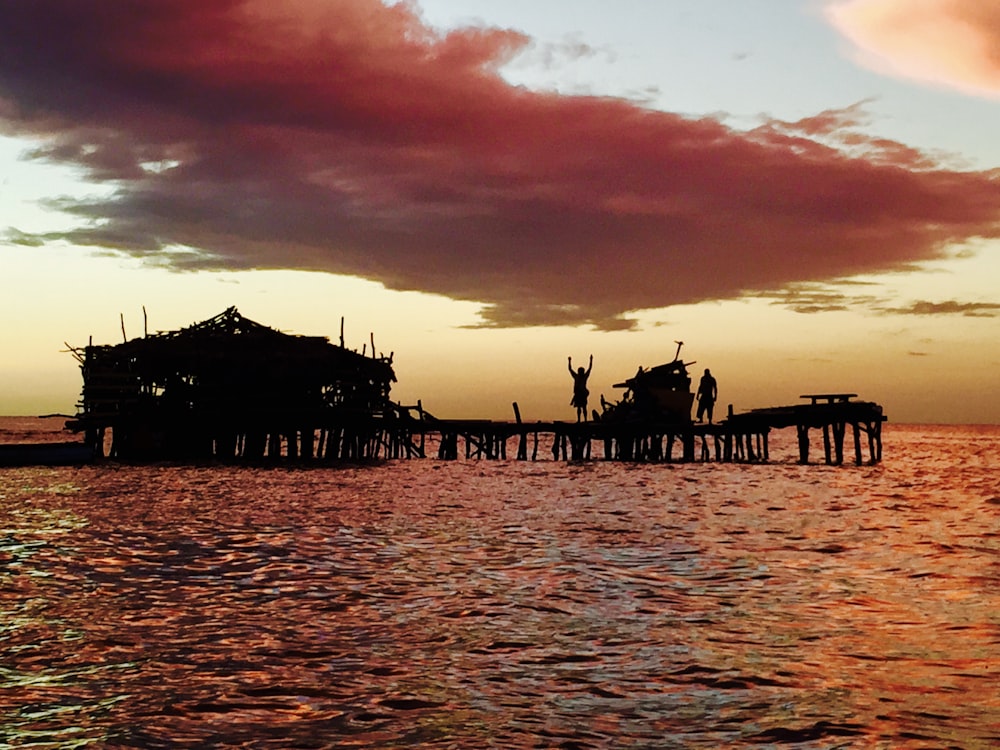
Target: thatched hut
pixel 228 387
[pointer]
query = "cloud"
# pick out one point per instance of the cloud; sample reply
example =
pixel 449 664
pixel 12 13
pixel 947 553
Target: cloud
pixel 841 295
pixel 954 43
pixel 349 137
pixel 951 307
pixel 17 237
pixel 814 298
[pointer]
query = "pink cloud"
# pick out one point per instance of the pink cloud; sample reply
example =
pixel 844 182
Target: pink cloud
pixel 955 43
pixel 349 137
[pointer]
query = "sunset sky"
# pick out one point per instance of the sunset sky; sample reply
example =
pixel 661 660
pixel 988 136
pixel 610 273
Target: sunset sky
pixel 806 192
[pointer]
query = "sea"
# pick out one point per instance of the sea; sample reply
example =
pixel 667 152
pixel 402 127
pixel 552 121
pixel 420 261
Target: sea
pixel 506 604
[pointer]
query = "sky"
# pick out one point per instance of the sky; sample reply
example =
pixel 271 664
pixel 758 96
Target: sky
pixel 805 192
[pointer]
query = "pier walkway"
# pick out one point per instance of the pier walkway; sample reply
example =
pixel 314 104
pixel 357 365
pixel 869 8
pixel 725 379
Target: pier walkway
pixel 410 432
pixel 742 437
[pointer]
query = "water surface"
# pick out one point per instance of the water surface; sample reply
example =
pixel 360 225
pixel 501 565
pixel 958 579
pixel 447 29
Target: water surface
pixel 507 604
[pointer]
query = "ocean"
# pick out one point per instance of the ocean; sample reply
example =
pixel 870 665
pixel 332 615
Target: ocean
pixel 506 604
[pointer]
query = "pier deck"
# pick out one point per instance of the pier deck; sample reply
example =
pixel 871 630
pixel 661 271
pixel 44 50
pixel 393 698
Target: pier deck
pixel 742 437
pixel 409 432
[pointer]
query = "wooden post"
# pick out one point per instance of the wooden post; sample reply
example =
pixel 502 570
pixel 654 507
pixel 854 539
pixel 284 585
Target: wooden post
pixel 803 435
pixel 655 448
pixel 225 444
pixel 522 445
pixel 875 441
pixel 448 447
pixel 420 413
pixel 839 428
pixel 334 437
pixel 254 444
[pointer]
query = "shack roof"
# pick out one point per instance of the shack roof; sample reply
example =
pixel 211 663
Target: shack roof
pixel 233 341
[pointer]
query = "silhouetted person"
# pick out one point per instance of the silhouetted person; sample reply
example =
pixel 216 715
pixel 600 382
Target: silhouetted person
pixel 580 392
pixel 708 392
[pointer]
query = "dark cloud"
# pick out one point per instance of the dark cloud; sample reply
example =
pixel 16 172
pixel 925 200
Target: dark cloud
pixel 17 237
pixel 809 298
pixel 844 294
pixel 349 137
pixel 968 309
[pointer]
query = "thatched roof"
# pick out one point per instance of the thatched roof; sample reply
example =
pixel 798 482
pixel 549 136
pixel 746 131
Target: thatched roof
pixel 239 353
pixel 231 341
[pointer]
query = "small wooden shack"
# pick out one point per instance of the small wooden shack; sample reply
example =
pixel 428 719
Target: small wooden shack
pixel 229 387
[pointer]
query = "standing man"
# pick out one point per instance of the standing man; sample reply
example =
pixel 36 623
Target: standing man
pixel 708 392
pixel 580 392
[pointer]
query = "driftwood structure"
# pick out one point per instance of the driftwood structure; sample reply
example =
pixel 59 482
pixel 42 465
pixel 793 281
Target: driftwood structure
pixel 740 438
pixel 832 413
pixel 229 387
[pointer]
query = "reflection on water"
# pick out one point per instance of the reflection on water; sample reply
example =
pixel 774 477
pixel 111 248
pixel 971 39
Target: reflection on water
pixel 507 604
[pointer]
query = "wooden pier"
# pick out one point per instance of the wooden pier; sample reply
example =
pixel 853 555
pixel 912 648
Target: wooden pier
pixel 741 438
pixel 409 432
pixel 229 388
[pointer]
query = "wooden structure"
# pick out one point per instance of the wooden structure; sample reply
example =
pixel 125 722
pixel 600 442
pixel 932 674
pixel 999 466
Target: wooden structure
pixel 742 438
pixel 229 387
pixel 830 412
pixel 659 394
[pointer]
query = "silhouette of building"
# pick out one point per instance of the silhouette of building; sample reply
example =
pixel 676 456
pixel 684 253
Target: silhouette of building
pixel 227 387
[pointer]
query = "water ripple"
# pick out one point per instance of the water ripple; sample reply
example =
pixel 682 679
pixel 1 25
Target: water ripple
pixel 505 605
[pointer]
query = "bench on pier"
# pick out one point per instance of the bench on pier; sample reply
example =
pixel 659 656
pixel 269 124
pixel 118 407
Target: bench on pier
pixel 830 398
